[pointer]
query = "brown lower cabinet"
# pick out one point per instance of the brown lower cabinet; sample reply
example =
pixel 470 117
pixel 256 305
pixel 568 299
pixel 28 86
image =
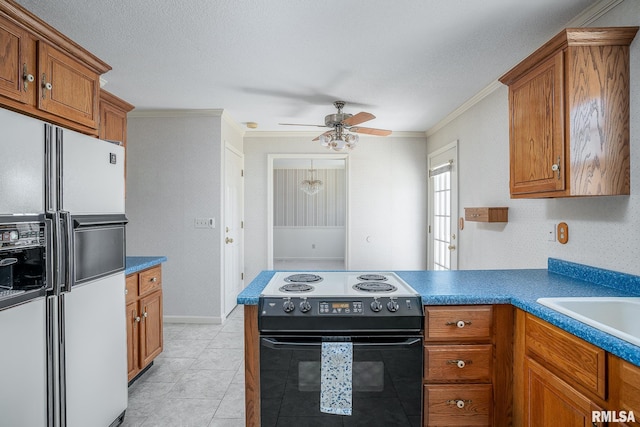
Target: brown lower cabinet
pixel 560 379
pixel 144 319
pixel 517 370
pixel 465 354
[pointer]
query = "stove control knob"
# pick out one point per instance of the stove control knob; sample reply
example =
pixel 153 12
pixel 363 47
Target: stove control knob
pixel 288 306
pixel 305 306
pixel 392 306
pixel 376 305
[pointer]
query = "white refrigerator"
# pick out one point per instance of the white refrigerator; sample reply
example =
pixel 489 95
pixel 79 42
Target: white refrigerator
pixel 76 182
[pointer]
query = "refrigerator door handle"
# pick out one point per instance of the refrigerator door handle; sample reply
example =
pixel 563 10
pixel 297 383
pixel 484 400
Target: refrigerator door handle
pixel 68 259
pixel 62 366
pixel 50 162
pixel 52 246
pixel 59 170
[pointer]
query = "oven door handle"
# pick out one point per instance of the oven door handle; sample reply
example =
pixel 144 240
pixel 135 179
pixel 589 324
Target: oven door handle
pixel 284 345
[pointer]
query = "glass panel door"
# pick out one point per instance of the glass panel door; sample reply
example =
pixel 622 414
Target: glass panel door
pixel 443 208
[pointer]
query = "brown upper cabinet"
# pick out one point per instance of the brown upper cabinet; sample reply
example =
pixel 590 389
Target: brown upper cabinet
pixel 569 116
pixel 113 118
pixel 46 75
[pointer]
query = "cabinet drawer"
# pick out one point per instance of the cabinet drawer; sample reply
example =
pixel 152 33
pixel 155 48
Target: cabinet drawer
pixel 131 288
pixel 458 323
pixel 458 363
pixel 458 405
pixel 150 280
pixel 574 360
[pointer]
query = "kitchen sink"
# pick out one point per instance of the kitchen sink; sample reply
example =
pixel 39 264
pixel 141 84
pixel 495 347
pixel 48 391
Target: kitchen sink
pixel 618 316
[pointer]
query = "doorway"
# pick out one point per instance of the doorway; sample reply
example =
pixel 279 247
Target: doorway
pixel 233 227
pixel 443 208
pixel 307 230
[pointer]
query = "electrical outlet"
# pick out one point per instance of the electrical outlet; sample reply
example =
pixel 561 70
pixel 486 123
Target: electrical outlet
pixel 551 233
pixel 204 223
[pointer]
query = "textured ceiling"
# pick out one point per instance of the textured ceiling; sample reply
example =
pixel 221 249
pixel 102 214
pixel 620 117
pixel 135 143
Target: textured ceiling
pixel 409 62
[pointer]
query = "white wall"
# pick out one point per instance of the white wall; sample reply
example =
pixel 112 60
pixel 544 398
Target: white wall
pixel 387 199
pixel 308 243
pixel 603 231
pixel 174 175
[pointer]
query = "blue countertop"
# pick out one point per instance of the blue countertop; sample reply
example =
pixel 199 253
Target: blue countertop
pixel 520 288
pixel 134 264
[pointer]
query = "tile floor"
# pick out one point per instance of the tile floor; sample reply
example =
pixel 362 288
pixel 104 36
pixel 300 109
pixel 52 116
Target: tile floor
pixel 197 381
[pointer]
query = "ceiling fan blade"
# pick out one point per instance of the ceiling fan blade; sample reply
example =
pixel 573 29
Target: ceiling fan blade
pixel 361 117
pixel 370 131
pixel 299 124
pixel 318 137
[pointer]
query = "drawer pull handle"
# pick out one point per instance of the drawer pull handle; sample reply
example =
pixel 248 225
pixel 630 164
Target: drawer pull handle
pixel 458 402
pixel 459 363
pixel 460 323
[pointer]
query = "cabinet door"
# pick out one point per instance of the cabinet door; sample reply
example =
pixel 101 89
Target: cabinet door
pixel 150 327
pixel 537 129
pixel 113 123
pixel 67 88
pixel 552 402
pixel 133 344
pixel 12 62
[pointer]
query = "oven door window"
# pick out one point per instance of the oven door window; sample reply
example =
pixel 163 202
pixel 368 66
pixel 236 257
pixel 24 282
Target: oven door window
pixel 387 382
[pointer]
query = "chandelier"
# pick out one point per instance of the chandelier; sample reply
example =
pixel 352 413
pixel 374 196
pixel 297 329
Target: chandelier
pixel 311 185
pixel 339 139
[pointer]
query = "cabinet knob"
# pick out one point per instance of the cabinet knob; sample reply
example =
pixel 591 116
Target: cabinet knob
pixel 458 402
pixel 28 78
pixel 459 323
pixel 45 85
pixel 153 279
pixel 459 363
pixel 556 167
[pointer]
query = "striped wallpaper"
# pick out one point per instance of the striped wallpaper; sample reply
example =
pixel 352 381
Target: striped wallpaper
pixel 294 208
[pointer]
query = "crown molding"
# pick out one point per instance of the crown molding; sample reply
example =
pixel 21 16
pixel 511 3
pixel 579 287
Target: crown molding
pixel 226 117
pixel 588 16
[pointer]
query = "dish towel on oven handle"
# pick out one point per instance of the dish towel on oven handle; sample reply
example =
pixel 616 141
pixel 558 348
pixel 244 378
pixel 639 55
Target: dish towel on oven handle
pixel 336 378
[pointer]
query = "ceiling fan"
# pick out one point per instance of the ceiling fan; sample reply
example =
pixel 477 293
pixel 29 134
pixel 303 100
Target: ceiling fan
pixel 344 129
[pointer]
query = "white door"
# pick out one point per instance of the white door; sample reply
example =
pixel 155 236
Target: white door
pixel 233 228
pixel 443 208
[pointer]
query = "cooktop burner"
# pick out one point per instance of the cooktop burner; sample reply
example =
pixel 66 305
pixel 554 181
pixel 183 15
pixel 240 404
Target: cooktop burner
pixel 374 277
pixel 339 284
pixel 374 287
pixel 303 278
pixel 296 288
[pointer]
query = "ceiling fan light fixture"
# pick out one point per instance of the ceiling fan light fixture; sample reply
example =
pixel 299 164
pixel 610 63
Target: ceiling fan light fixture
pixel 325 140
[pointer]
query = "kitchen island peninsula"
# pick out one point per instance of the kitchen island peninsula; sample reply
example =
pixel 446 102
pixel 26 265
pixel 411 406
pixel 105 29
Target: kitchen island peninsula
pixel 530 346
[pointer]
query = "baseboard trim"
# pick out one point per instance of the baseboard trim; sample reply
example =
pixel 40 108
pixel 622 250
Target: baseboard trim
pixel 193 319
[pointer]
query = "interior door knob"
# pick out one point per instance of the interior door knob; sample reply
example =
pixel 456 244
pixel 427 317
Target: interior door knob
pixel 452 247
pixel 228 240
